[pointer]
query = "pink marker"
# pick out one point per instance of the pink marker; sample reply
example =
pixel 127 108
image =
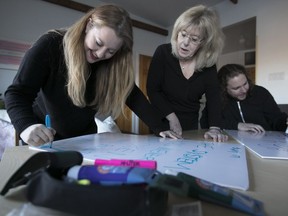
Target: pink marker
pixel 150 164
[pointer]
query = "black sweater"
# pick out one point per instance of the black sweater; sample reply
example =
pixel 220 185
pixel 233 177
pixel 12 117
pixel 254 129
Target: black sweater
pixel 39 88
pixel 170 91
pixel 259 107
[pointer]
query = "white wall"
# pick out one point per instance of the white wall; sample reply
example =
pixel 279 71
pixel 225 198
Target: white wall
pixel 271 40
pixel 24 21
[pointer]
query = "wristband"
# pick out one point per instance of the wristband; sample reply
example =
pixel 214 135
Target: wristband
pixel 216 128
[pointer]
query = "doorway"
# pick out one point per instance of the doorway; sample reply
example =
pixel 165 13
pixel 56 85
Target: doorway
pixel 144 64
pixel 124 122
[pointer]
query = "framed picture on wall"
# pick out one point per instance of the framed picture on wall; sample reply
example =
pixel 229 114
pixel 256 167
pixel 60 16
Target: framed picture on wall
pixel 11 54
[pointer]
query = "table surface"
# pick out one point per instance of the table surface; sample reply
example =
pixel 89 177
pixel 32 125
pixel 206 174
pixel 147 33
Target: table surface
pixel 268 182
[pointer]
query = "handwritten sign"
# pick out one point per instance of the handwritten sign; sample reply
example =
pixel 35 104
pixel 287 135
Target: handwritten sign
pixel 271 144
pixel 220 163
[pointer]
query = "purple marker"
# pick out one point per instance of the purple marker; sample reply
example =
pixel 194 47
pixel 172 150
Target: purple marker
pixel 112 175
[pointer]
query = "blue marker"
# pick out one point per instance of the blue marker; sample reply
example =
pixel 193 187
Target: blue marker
pixel 48 125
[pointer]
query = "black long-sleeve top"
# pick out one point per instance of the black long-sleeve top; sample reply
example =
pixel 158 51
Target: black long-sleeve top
pixel 259 107
pixel 169 91
pixel 39 88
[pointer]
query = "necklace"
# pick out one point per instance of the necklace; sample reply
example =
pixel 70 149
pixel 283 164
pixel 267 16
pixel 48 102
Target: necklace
pixel 187 68
pixel 184 66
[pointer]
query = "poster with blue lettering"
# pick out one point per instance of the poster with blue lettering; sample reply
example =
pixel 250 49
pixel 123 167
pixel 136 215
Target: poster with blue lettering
pixel 271 144
pixel 220 163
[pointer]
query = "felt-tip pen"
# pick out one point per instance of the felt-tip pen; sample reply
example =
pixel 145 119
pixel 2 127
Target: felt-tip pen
pixel 150 164
pixel 48 125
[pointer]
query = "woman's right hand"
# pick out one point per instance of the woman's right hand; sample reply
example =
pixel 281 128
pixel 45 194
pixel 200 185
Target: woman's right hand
pixel 37 134
pixel 174 123
pixel 250 127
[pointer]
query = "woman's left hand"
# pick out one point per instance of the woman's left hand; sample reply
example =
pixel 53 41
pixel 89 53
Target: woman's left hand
pixel 170 134
pixel 216 134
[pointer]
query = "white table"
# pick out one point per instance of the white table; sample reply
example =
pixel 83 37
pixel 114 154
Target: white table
pixel 268 182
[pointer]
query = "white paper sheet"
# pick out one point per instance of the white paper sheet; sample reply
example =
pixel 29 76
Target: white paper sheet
pixel 271 144
pixel 220 163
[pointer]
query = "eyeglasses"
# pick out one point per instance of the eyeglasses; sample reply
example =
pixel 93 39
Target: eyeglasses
pixel 192 38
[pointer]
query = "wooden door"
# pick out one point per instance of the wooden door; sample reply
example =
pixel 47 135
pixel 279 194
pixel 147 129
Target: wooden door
pixel 251 73
pixel 144 63
pixel 125 122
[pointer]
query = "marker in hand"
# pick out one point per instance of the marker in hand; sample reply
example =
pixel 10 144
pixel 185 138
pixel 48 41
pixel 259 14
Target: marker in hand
pixel 48 125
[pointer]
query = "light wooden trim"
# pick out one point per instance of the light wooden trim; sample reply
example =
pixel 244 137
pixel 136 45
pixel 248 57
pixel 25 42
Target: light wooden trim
pixel 84 8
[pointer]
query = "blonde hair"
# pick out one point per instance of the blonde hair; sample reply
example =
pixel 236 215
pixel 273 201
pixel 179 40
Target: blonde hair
pixel 205 20
pixel 115 79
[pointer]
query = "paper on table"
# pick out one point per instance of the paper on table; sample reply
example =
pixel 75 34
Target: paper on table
pixel 271 144
pixel 220 163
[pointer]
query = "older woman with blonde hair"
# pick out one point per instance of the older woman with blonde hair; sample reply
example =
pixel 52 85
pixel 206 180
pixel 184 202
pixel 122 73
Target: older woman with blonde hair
pixel 73 74
pixel 184 70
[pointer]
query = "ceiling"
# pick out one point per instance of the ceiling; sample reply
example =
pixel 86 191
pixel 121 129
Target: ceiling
pixel 160 12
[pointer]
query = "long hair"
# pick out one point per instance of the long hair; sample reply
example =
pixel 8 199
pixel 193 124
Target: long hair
pixel 206 20
pixel 115 81
pixel 228 72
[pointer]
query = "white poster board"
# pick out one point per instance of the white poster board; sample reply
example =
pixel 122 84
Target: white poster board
pixel 220 163
pixel 271 144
